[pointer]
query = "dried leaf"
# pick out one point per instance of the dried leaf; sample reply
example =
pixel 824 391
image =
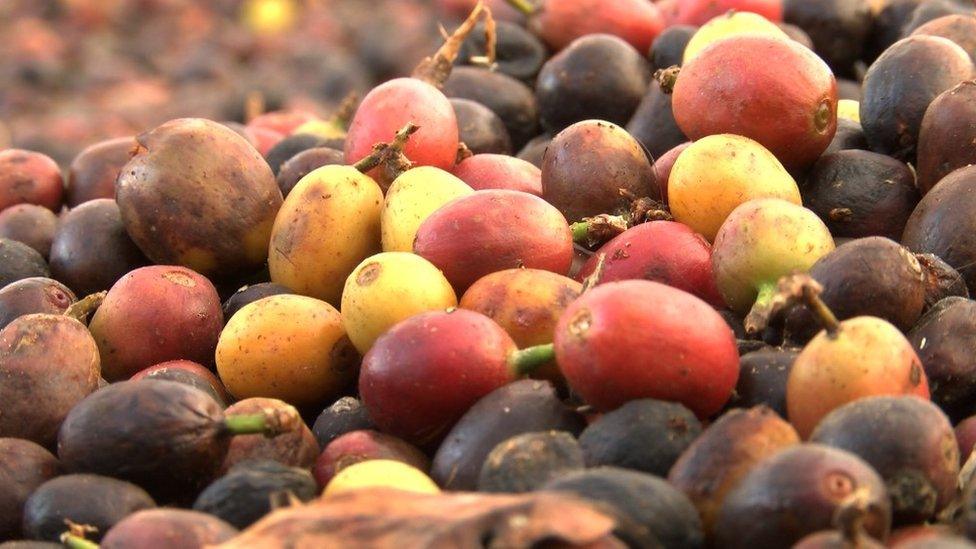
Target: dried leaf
pixel 393 519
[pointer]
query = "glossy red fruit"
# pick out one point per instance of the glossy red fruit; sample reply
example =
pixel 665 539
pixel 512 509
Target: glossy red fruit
pixel 420 377
pixel 699 12
pixel 662 251
pixel 499 171
pixel 559 22
pixel 490 231
pixel 389 107
pixel 771 90
pixel 639 339
pixel 155 314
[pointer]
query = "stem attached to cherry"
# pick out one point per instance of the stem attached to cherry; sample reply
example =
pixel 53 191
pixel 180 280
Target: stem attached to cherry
pixel 528 360
pixel 390 156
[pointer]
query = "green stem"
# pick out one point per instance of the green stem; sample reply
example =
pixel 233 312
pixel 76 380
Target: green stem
pixel 524 6
pixel 249 424
pixel 77 542
pixel 581 232
pixel 767 290
pixel 528 360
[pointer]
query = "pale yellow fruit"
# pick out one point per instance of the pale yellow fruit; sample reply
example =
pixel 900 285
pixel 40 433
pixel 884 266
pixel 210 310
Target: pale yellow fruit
pixel 849 109
pixel 387 288
pixel 733 23
pixel 381 473
pixel 328 223
pixel 321 128
pixel 716 174
pixel 762 241
pixel 290 347
pixel 411 199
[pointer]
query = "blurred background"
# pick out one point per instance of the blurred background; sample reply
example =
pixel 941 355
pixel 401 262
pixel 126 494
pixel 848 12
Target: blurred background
pixel 73 72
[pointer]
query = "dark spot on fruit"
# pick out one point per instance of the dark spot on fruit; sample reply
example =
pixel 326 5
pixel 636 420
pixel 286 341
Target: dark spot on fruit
pixel 915 374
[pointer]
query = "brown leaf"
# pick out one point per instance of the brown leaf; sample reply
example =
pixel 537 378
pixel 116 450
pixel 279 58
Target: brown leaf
pixel 384 518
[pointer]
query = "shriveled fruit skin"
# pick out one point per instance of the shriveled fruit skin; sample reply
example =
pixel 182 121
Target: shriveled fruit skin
pixel 859 193
pixel 333 200
pixel 771 90
pixel 519 407
pixel 197 194
pixel 762 379
pixel 717 174
pixel 798 491
pixel 619 438
pixel 247 493
pixel 944 134
pixel 164 436
pixel 649 511
pixel 489 231
pixel 901 84
pixel 389 107
pixel 52 362
pixel 526 462
pixel 639 339
pixel 909 442
pixel 587 164
pixel 97 501
pixel 867 357
pixel 717 461
pixel 289 347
